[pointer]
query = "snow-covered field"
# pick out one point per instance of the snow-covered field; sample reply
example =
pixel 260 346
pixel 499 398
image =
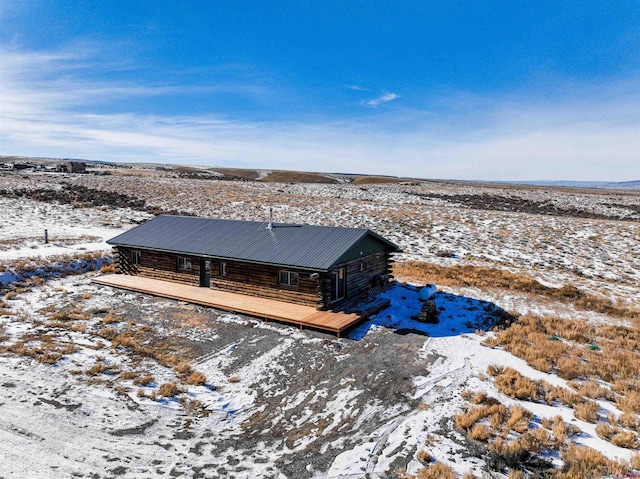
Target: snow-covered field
pixel 279 402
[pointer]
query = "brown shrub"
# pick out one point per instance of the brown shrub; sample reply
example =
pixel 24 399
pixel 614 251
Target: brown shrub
pixel 10 295
pixel 515 385
pixel 592 389
pixel 630 402
pixel 581 462
pixel 108 268
pixel 606 431
pixel 468 419
pixel 519 419
pixel 587 411
pixel 169 390
pixel 630 421
pixel 110 317
pixel 129 375
pixel 559 430
pixel 626 439
pixel 73 313
pixel 513 450
pixel 480 432
pixel 424 456
pixel 478 398
pixel 101 368
pixel 437 470
pixel 196 379
pixel 562 394
pixel 144 380
pixel 235 379
pixel 635 461
pixel 183 369
pixel 570 367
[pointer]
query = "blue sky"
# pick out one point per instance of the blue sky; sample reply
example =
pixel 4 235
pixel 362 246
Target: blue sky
pixel 493 90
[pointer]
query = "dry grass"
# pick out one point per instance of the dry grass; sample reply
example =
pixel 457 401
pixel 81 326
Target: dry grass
pixel 492 278
pixel 606 431
pixel 437 470
pixel 630 402
pixel 108 268
pixel 608 372
pixel 519 419
pixel 424 456
pixel 144 380
pixel 480 432
pixel 592 390
pixel 587 411
pixel 626 439
pixel 233 379
pixel 110 317
pixel 196 379
pixel 127 375
pixel 70 313
pixel 10 295
pixel 183 369
pixel 581 462
pixel 630 421
pixel 516 386
pixel 476 413
pixel 169 390
pixel 101 368
pixel 42 347
pixel 617 436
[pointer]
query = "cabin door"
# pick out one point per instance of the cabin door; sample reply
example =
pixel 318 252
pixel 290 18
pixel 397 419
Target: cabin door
pixel 205 272
pixel 337 285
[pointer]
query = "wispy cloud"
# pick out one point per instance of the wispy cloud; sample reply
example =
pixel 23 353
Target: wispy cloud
pixel 356 88
pixel 49 109
pixel 387 97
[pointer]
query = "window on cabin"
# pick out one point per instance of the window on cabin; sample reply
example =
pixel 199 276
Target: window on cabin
pixel 135 257
pixel 363 266
pixel 184 263
pixel 222 268
pixel 288 278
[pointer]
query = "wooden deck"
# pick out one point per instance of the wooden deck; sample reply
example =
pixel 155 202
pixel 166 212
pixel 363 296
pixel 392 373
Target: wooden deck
pixel 302 316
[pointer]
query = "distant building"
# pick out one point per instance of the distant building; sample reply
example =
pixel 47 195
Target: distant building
pixel 72 167
pixel 22 166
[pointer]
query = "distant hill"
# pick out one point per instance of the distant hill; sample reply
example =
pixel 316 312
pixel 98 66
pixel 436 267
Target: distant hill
pixel 611 185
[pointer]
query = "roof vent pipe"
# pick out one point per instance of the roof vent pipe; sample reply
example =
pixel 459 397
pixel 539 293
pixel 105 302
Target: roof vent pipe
pixel 270 225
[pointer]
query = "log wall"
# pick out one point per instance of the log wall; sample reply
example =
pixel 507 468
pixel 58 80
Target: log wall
pixel 263 280
pixel 256 279
pixel 157 265
pixel 377 265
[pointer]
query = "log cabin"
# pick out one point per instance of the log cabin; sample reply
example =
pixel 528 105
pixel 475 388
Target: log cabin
pixel 319 266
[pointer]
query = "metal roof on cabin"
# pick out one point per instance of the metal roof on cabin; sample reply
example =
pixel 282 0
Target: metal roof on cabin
pixel 301 246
